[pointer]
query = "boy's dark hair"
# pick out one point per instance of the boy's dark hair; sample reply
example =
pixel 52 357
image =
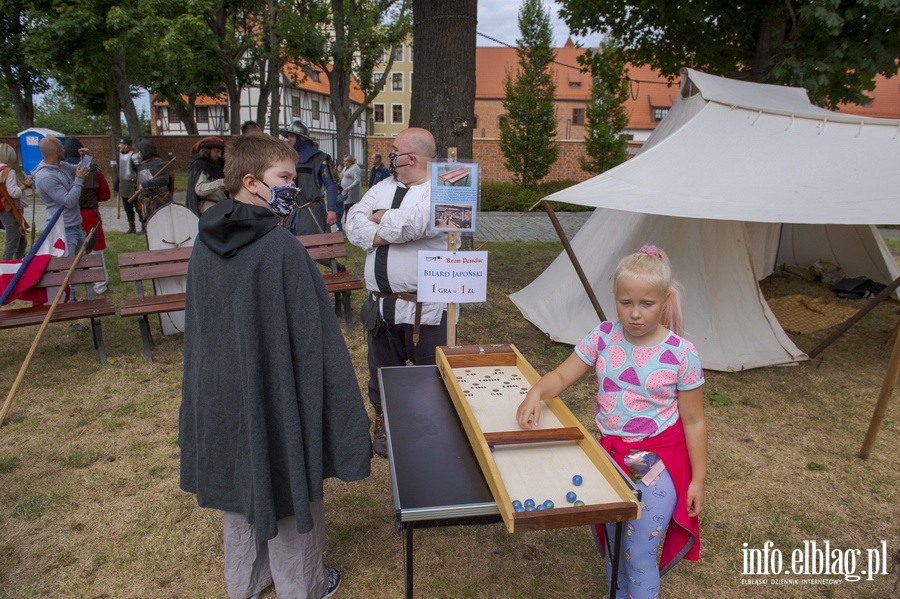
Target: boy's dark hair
pixel 249 125
pixel 253 155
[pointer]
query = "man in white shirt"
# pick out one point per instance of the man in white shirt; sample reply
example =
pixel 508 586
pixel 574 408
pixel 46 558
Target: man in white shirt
pixel 391 224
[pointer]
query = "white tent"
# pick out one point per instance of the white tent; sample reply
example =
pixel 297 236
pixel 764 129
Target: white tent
pixel 737 179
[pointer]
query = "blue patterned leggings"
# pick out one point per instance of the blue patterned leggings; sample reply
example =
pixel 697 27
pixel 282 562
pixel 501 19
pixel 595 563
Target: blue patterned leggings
pixel 638 568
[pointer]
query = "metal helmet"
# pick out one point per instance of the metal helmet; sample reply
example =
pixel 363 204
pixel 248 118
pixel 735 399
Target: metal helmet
pixel 297 128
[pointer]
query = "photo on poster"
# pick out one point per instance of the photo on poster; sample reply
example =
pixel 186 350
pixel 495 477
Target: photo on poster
pixel 454 196
pixel 454 174
pixel 452 217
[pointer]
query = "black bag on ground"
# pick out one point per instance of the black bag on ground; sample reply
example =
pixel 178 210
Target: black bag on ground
pixel 370 316
pixel 857 288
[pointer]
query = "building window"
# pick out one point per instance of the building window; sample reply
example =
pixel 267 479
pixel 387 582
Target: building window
pixel 397 82
pixel 379 113
pixel 501 121
pixel 410 53
pixel 315 110
pixel 578 116
pixel 295 106
pixel 201 114
pixel 660 113
pixel 398 54
pixel 377 76
pixel 397 113
pixel 381 57
pixel 173 116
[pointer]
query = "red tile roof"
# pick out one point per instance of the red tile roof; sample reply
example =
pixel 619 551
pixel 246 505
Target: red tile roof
pixel 648 89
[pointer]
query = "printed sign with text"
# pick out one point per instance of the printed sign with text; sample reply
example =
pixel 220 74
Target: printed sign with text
pixel 452 277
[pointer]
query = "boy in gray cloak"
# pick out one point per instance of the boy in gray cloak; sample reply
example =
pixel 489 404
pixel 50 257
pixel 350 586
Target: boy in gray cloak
pixel 270 407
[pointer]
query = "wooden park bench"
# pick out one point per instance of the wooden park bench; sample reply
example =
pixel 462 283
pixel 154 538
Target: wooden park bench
pixel 146 266
pixel 89 271
pixel 327 248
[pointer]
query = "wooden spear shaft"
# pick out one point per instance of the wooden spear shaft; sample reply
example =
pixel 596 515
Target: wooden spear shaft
pixel 89 241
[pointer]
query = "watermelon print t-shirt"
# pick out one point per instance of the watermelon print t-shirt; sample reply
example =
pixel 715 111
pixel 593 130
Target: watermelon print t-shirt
pixel 638 386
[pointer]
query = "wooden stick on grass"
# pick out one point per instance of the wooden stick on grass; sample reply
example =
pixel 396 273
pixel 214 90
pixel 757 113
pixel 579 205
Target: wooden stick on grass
pixel 88 243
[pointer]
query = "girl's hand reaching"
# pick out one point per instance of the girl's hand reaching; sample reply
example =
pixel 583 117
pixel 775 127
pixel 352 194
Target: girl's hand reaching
pixel 529 413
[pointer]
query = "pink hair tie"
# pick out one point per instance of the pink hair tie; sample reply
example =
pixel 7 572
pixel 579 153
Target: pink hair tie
pixel 650 250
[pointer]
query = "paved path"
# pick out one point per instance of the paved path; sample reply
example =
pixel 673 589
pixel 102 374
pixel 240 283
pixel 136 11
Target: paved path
pixel 491 226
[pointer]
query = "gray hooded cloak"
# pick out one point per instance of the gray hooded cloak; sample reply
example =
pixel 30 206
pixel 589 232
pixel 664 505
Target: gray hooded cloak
pixel 270 403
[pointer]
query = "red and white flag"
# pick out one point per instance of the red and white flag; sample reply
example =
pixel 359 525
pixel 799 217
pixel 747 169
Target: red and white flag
pixel 54 246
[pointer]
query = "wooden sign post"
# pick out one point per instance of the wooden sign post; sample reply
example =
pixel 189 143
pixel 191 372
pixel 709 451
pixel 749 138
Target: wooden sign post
pixel 452 246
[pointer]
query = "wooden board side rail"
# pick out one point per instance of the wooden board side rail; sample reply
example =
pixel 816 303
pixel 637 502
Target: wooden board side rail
pixel 513 468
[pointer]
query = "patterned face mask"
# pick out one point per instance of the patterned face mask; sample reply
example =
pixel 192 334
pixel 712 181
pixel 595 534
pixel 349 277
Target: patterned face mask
pixel 283 198
pixel 393 156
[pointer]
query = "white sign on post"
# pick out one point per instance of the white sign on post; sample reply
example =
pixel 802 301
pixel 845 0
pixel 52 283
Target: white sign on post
pixel 452 277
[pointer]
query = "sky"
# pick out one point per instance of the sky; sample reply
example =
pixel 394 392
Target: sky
pixel 499 19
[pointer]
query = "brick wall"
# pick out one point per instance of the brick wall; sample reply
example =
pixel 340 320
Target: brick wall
pixel 102 151
pixel 487 152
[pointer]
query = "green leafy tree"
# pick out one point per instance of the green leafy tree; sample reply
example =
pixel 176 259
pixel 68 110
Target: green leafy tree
pixel 59 111
pixel 528 131
pixel 349 42
pixel 833 48
pixel 83 48
pixel 605 114
pixel 21 77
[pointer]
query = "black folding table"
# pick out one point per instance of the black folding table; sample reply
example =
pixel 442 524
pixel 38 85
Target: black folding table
pixel 435 476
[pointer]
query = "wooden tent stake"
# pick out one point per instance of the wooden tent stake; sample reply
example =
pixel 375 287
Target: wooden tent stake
pixel 571 253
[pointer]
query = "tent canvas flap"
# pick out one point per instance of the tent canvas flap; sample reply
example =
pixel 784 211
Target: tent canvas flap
pixel 738 178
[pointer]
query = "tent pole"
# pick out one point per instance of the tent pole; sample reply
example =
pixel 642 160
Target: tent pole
pixel 571 253
pixel 853 319
pixel 887 388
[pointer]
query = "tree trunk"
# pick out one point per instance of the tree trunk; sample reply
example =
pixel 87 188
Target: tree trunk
pixel 115 121
pixel 216 20
pixel 120 81
pixel 443 90
pixel 22 98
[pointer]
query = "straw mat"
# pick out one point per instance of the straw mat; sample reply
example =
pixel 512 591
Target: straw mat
pixel 802 314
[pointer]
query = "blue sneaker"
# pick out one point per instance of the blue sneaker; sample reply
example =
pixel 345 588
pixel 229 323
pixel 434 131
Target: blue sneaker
pixel 333 580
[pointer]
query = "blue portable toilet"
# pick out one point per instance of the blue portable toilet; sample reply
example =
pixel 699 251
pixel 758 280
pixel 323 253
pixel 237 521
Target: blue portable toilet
pixel 29 142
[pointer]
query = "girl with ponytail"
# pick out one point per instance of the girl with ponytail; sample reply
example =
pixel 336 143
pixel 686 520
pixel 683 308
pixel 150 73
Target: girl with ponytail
pixel 649 415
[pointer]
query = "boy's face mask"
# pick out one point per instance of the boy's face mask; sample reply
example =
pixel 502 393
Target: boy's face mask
pixel 283 198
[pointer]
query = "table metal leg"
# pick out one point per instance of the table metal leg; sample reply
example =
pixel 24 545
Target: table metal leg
pixel 616 554
pixel 408 560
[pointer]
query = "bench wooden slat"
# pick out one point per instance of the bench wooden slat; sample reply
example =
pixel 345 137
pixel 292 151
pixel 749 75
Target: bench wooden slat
pixel 155 271
pixel 328 247
pixel 21 317
pixel 89 270
pixel 342 282
pixel 152 265
pixel 134 306
pixel 154 256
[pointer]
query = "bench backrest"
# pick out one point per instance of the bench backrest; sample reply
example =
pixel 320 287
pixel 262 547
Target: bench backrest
pixel 324 246
pixel 89 270
pixel 154 264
